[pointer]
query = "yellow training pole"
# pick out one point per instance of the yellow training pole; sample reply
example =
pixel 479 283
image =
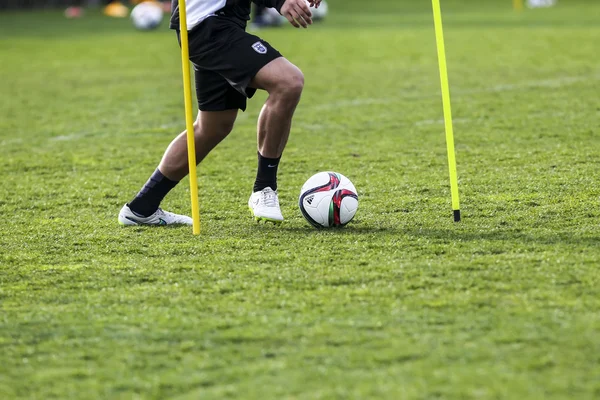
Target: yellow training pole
pixel 518 5
pixel 439 36
pixel 189 117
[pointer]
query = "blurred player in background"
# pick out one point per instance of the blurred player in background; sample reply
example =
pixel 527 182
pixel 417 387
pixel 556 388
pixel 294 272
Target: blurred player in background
pixel 77 7
pixel 111 8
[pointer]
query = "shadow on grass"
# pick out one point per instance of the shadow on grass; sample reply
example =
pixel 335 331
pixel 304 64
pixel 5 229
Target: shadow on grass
pixel 451 235
pixel 544 236
pixel 557 238
pixel 360 230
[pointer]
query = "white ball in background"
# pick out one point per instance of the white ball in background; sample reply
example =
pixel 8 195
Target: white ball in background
pixel 321 12
pixel 540 3
pixel 147 15
pixel 273 18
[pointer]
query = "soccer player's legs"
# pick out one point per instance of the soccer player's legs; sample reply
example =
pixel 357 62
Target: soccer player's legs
pixel 210 128
pixel 248 63
pixel 218 103
pixel 263 67
pixel 284 83
pixel 260 66
pixel 229 70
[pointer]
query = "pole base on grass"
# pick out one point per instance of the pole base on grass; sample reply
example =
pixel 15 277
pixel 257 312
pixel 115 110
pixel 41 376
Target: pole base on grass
pixel 456 215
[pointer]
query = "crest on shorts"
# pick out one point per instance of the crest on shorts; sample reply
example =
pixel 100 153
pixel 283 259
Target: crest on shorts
pixel 259 48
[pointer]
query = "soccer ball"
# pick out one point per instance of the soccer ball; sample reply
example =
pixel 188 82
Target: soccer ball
pixel 147 16
pixel 328 199
pixel 540 3
pixel 271 17
pixel 321 12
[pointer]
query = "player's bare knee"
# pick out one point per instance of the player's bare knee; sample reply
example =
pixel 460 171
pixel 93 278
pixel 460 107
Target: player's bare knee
pixel 295 84
pixel 289 89
pixel 197 128
pixel 216 124
pixel 224 127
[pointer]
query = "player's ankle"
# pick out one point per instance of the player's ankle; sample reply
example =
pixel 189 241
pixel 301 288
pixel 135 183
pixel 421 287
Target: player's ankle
pixel 266 175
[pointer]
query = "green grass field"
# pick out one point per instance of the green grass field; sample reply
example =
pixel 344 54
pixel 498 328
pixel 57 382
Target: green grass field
pixel 401 304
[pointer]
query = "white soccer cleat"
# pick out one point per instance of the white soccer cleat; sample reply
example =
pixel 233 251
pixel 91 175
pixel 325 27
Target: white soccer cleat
pixel 265 206
pixel 160 217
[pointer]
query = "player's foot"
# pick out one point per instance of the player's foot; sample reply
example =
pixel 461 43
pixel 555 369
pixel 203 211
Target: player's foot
pixel 265 206
pixel 160 217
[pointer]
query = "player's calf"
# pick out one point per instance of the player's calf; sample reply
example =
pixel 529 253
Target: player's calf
pixel 209 130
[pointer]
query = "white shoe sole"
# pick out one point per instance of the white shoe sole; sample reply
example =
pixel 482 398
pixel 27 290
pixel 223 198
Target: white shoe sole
pixel 264 219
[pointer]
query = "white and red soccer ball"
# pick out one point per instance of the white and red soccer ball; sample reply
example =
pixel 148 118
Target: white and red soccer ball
pixel 328 199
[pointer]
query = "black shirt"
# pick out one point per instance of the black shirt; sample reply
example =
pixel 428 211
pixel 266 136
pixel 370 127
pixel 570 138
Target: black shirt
pixel 237 10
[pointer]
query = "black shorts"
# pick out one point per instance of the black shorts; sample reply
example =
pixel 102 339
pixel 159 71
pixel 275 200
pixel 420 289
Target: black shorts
pixel 226 58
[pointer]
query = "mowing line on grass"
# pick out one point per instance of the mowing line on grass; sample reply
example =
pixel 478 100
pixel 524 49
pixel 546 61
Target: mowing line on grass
pixel 505 87
pixel 508 87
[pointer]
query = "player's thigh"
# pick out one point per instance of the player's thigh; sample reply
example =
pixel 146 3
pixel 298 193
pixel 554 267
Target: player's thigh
pixel 278 74
pixel 246 59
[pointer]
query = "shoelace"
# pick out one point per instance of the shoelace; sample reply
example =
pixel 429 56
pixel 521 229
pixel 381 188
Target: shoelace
pixel 270 198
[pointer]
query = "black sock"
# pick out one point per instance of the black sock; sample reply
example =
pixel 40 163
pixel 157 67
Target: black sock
pixel 266 176
pixel 154 191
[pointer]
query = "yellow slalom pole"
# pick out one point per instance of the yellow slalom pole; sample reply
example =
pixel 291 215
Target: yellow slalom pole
pixel 518 5
pixel 441 48
pixel 189 117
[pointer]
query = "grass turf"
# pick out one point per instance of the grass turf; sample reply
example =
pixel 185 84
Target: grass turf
pixel 403 303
